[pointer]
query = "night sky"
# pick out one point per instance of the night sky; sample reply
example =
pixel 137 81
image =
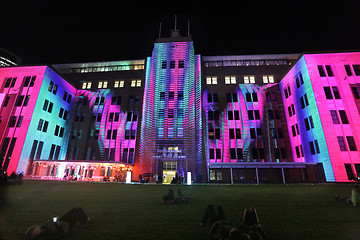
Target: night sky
pixel 49 32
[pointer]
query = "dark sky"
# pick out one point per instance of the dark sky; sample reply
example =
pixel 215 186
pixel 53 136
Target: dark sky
pixel 48 32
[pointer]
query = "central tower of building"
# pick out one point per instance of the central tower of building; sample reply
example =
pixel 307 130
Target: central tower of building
pixel 171 133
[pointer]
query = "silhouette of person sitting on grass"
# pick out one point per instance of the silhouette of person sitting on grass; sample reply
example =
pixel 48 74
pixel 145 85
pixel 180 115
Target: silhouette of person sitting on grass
pixel 354 198
pixel 58 229
pixel 221 228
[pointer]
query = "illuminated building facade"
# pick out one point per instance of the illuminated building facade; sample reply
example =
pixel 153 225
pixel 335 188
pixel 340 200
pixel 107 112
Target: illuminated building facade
pixel 232 119
pixel 171 130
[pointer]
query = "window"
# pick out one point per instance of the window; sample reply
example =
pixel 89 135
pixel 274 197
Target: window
pixel 138 83
pixel 163 65
pixel 254 97
pixel 312 148
pixel 268 79
pixel 334 117
pixel 249 79
pixel 86 85
pixel 317 148
pixel 336 92
pixel 251 114
pixel 252 133
pixel 349 171
pixel 211 80
pixel 230 80
pixel 291 110
pixel 287 92
pixel 351 142
pixel 27 98
pixel 257 114
pixel 348 70
pixel 181 64
pixel 321 71
pixel 341 143
pixel 18 124
pixel 40 124
pixel 172 64
pixel 356 69
pixel 51 85
pixel 355 92
pixel 231 97
pixel 328 93
pixel 343 117
pixel 329 71
pixel 306 100
pixel 218 153
pixel 302 102
pixel 102 84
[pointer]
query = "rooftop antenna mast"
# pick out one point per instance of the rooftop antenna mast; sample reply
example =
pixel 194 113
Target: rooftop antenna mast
pixel 188 28
pixel 160 31
pixel 175 20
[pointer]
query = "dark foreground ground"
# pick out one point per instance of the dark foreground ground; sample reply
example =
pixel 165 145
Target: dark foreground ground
pixel 119 211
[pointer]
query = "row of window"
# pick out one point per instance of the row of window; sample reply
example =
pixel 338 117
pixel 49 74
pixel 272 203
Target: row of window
pixel 117 84
pixel 237 153
pixel 314 149
pixel 164 64
pixel 236 133
pixel 327 71
pixel 171 133
pixel 335 118
pixel 213 80
pixel 234 63
pixel 351 143
pixel 29 81
pixel 171 96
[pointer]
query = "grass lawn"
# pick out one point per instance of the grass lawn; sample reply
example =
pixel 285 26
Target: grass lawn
pixel 119 211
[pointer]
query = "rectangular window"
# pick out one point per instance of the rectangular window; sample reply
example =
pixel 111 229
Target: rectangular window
pixel 321 71
pixel 181 64
pixel 231 133
pixel 236 115
pixel 297 151
pixel 336 92
pixel 163 64
pixel 312 148
pixel 356 69
pixel 349 171
pixel 172 64
pixel 348 70
pixel 334 117
pixel 329 71
pixel 252 133
pixel 254 97
pixel 239 153
pixel 211 153
pixel 317 146
pixel 218 153
pixel 40 124
pixel 302 102
pixel 257 114
pixel 311 122
pixel 341 143
pixel 238 133
pixel 307 125
pixel 355 92
pixel 251 114
pixel 232 153
pixel 351 142
pixel 328 93
pixel 211 80
pixel 343 117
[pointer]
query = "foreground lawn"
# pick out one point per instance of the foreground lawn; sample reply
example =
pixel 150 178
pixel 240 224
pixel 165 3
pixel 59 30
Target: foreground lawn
pixel 119 211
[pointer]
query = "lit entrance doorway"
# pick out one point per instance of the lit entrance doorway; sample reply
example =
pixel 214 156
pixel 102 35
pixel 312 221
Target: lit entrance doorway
pixel 169 171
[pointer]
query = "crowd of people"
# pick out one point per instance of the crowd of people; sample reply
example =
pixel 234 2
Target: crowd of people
pixel 14 178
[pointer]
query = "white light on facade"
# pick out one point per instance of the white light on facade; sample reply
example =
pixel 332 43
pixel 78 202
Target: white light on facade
pixel 188 178
pixel 128 177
